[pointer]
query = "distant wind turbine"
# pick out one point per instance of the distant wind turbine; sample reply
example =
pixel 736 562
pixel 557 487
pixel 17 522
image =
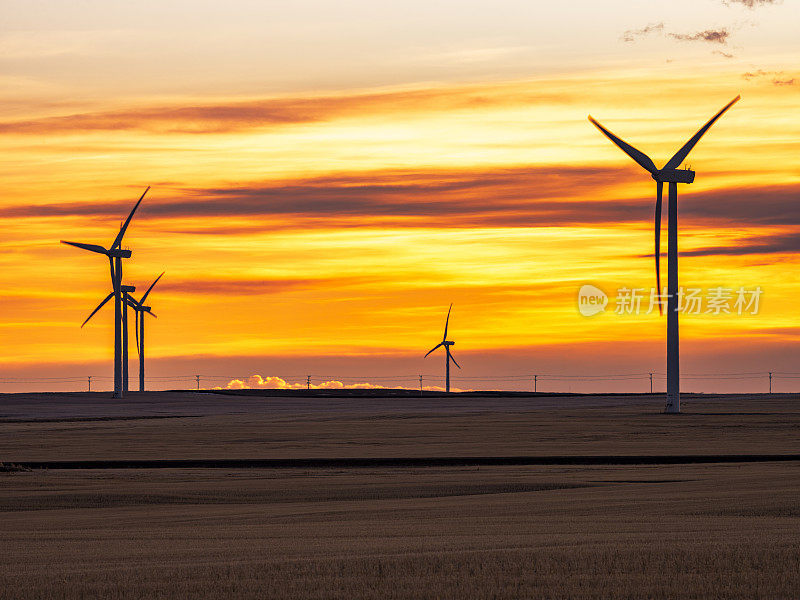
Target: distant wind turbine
pixel 126 301
pixel 115 254
pixel 448 356
pixel 141 309
pixel 672 175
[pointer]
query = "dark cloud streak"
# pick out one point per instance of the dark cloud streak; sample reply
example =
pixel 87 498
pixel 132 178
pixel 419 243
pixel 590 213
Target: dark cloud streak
pixel 779 78
pixel 274 112
pixel 252 287
pixel 535 197
pixel 714 36
pixel 788 243
pixel 752 3
pixel 633 34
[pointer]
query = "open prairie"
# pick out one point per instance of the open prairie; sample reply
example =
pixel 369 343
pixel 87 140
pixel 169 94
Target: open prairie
pixel 559 531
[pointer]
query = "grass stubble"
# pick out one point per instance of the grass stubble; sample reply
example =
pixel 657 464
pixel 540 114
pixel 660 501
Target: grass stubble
pixel 670 531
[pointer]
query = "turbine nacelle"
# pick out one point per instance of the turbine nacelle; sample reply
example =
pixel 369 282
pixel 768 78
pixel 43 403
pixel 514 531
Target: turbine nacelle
pixel 119 253
pixel 674 176
pixel 127 288
pixel 448 343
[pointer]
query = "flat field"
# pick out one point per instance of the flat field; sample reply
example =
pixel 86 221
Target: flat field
pixel 638 531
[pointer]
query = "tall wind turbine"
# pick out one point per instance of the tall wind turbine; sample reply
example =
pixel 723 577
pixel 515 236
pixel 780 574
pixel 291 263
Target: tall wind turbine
pixel 115 254
pixel 140 308
pixel 672 175
pixel 448 356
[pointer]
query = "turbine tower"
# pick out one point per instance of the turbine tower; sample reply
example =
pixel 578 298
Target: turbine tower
pixel 140 308
pixel 126 290
pixel 672 175
pixel 448 356
pixel 115 254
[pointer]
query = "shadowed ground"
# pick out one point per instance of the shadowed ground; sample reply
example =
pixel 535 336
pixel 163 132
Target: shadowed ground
pixel 659 531
pixel 55 426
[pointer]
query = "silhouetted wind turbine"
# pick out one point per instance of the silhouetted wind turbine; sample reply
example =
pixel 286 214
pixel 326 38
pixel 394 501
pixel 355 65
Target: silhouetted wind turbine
pixel 115 254
pixel 140 307
pixel 126 297
pixel 448 356
pixel 672 175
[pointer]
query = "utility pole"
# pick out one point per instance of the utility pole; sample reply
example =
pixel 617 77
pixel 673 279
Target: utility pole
pixel 197 378
pixel 90 382
pixel 535 380
pixel 651 383
pixel 420 384
pixel 770 382
pixel 308 382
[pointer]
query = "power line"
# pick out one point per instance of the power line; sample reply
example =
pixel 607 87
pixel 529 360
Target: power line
pixel 412 381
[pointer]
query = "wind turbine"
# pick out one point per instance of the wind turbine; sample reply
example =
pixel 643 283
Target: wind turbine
pixel 115 254
pixel 140 307
pixel 126 301
pixel 672 175
pixel 448 356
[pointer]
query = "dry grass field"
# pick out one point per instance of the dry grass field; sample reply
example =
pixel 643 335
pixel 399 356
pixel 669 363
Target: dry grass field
pixel 649 531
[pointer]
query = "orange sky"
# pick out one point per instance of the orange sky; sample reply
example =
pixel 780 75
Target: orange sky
pixel 319 228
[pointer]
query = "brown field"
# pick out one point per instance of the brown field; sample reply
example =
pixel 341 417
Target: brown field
pixel 649 531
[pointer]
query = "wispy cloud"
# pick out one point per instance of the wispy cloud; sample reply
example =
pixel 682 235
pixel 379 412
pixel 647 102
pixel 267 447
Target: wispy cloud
pixel 275 112
pixel 251 287
pixel 751 3
pixel 788 243
pixel 633 34
pixel 535 197
pixel 755 206
pixel 779 78
pixel 714 36
pixel 530 196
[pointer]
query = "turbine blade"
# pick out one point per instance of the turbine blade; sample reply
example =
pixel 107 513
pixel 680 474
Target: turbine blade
pixel 447 322
pixel 121 234
pixel 453 359
pixel 637 155
pixel 676 160
pixel 432 349
pixel 152 314
pixel 89 247
pixel 99 306
pixel 151 287
pixel 136 327
pixel 659 193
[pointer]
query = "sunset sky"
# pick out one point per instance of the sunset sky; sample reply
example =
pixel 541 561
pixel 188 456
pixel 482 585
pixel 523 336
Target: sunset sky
pixel 327 177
